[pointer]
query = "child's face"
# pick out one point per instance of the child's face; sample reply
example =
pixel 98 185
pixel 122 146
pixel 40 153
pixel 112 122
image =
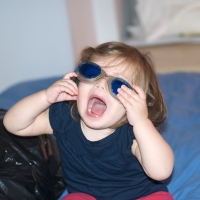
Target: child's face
pixel 97 108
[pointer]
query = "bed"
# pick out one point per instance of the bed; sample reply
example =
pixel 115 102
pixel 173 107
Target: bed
pixel 182 129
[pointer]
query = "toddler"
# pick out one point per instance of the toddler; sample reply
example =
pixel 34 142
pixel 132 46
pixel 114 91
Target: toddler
pixel 105 116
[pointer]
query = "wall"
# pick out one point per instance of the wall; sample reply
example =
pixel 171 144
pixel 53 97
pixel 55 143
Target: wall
pixel 44 38
pixel 82 25
pixel 35 40
pixel 93 22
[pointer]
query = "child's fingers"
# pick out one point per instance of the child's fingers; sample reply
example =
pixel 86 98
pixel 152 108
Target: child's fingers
pixel 70 75
pixel 64 89
pixel 63 85
pixel 68 83
pixel 61 92
pixel 123 100
pixel 134 102
pixel 68 86
pixel 127 95
pixel 136 93
pixel 67 90
pixel 139 91
pixel 130 97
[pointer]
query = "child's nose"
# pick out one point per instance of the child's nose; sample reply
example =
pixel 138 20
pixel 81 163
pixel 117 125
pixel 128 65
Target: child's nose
pixel 101 84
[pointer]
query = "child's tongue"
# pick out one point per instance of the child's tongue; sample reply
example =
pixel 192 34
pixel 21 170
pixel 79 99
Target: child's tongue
pixel 98 107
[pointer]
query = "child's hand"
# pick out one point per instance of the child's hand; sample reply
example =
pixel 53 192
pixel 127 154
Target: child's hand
pixel 63 90
pixel 134 102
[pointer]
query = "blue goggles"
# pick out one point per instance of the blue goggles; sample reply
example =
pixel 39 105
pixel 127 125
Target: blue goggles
pixel 89 72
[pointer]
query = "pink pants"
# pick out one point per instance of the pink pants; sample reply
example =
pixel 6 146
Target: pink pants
pixel 78 196
pixel 154 196
pixel 158 196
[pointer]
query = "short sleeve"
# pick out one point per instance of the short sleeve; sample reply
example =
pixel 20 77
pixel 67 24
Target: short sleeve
pixel 126 137
pixel 59 117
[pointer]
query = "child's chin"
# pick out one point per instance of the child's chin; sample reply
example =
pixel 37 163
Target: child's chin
pixel 95 125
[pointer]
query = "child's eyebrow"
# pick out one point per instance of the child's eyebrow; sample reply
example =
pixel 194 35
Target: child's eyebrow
pixel 114 72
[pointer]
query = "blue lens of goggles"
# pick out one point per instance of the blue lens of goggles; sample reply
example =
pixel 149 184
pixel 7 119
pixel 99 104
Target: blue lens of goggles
pixel 90 72
pixel 117 83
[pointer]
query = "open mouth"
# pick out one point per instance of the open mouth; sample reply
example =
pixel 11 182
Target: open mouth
pixel 96 107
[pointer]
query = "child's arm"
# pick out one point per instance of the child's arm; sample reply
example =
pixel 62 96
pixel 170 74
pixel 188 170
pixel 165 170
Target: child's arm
pixel 154 154
pixel 30 117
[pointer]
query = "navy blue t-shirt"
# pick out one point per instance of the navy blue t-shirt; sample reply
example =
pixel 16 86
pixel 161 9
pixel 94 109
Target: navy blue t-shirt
pixel 105 169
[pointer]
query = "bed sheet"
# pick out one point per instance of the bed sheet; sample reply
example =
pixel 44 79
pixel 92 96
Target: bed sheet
pixel 182 129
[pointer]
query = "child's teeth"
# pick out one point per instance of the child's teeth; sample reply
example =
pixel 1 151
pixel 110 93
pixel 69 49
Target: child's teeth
pixel 89 110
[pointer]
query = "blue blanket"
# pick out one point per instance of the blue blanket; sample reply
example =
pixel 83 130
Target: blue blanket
pixel 182 130
pixel 182 95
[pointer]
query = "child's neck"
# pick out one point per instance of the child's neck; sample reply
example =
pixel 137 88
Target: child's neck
pixel 94 134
